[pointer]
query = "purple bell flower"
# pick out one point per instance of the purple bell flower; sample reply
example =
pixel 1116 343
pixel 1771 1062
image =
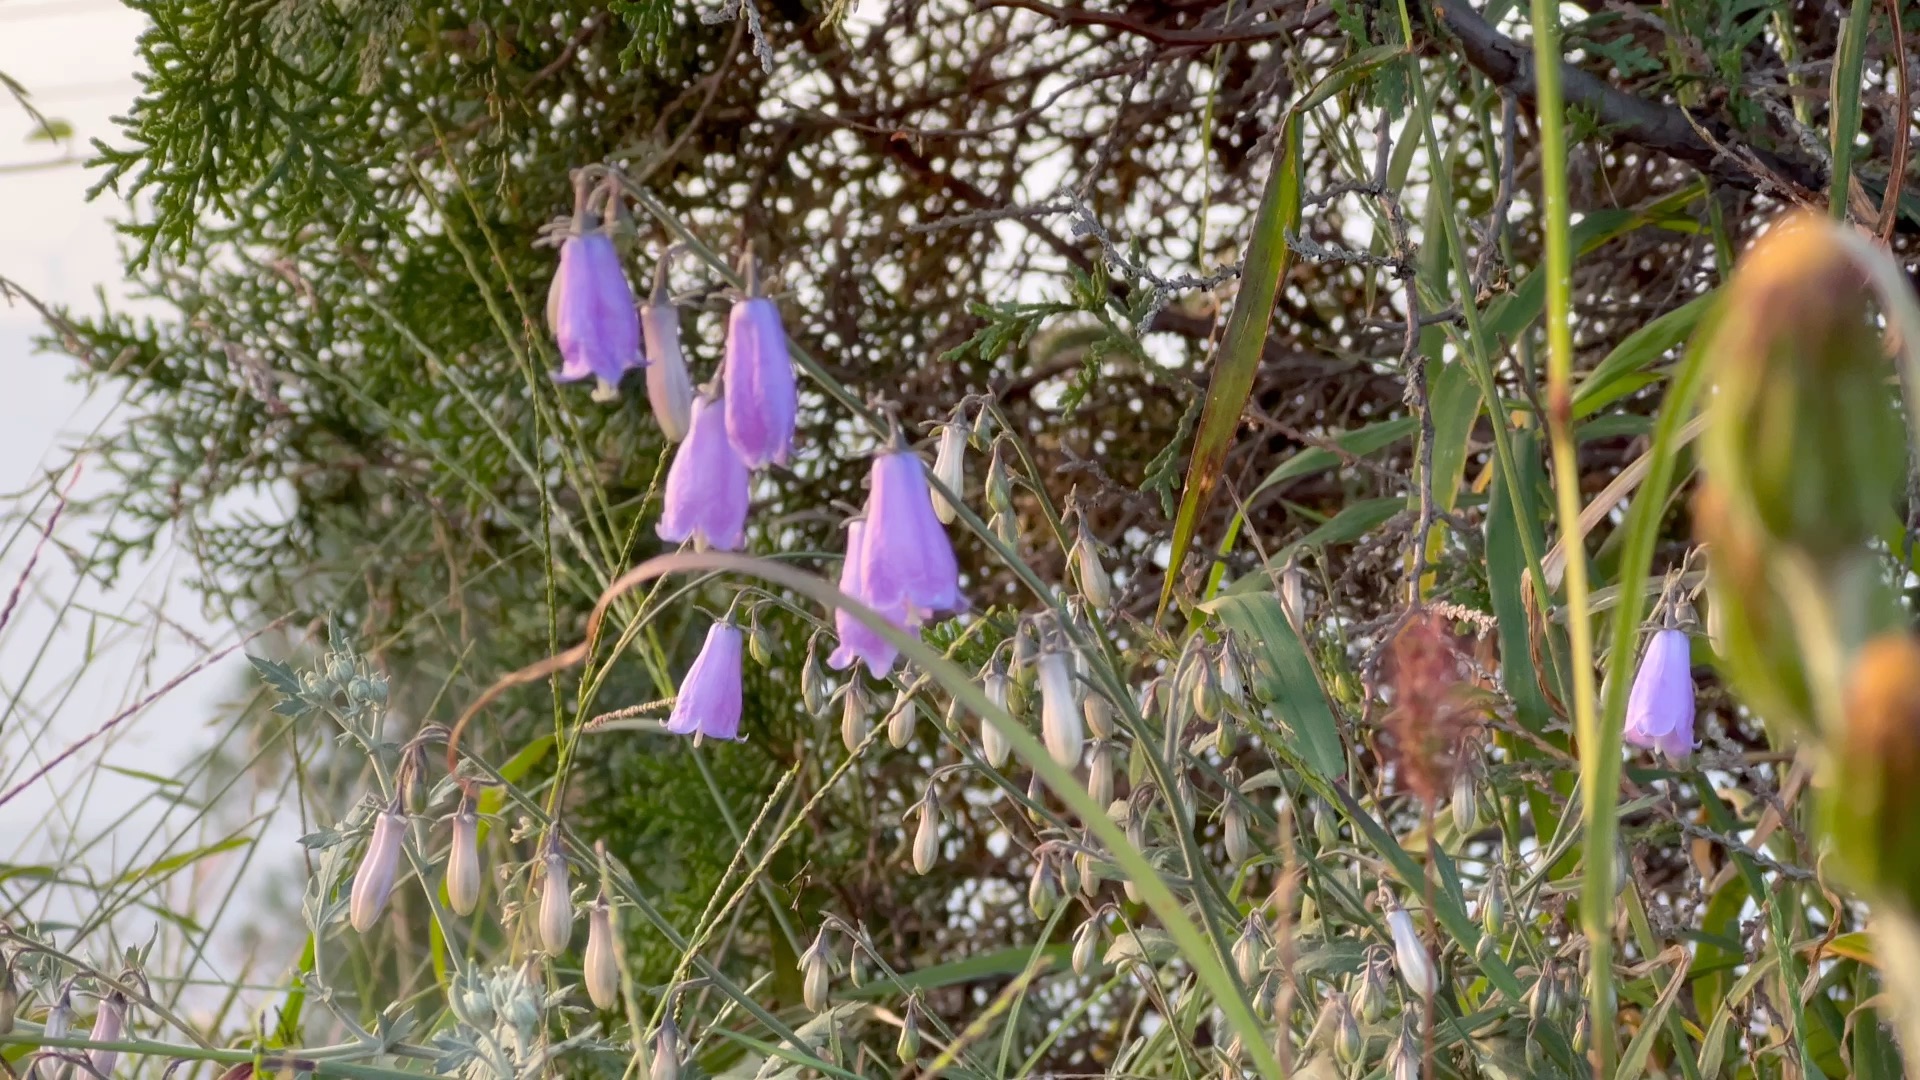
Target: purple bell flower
pixel 706 496
pixel 1660 706
pixel 762 399
pixel 858 641
pixel 591 308
pixel 708 705
pixel 906 559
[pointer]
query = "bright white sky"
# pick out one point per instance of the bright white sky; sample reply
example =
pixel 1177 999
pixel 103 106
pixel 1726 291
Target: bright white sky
pixel 76 58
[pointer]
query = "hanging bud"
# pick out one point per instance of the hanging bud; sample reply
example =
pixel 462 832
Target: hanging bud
pixel 109 1025
pixel 1343 1029
pixel 1230 673
pixel 1403 1060
pixel 1370 996
pixel 57 1025
pixel 1293 596
pixel 1084 871
pixel 1493 907
pixel 1061 721
pixel 760 643
pixel 993 745
pixel 1086 938
pixel 669 388
pixel 1582 1040
pixel 373 882
pixel 816 973
pixel 999 486
pixel 1099 715
pixel 1409 952
pixel 1183 798
pixel 666 1051
pixel 950 466
pixel 1465 802
pixel 926 838
pixel 1005 529
pixel 1095 583
pixel 1036 800
pixel 463 860
pixel 1041 894
pixel 556 900
pixel 1250 949
pixel 1100 773
pixel 814 691
pixel 901 720
pixel 601 968
pixel 854 726
pixel 1325 829
pixel 1233 831
pixel 907 1049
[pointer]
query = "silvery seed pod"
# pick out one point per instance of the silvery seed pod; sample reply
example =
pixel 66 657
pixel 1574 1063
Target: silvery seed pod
pixel 601 968
pixel 666 1052
pixel 1061 722
pixel 1344 1030
pixel 1409 952
pixel 907 1047
pixel 9 996
pixel 1041 895
pixel 816 973
pixel 1100 773
pixel 1250 950
pixel 1099 715
pixel 926 838
pixel 993 745
pixel 556 900
pixel 109 1024
pixel 999 486
pixel 1086 938
pixel 373 881
pixel 463 860
pixel 854 726
pixel 950 467
pixel 1096 585
pixel 901 720
pixel 1233 831
pixel 814 691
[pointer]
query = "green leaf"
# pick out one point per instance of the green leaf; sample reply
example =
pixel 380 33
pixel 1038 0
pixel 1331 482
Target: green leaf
pixel 1612 379
pixel 163 867
pixel 1454 403
pixel 1316 459
pixel 1238 359
pixel 1633 1063
pixel 1283 677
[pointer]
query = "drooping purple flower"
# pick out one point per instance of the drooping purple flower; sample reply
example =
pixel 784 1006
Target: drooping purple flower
pixel 595 321
pixel 669 388
pixel 906 560
pixel 858 641
pixel 708 705
pixel 761 397
pixel 1660 706
pixel 706 496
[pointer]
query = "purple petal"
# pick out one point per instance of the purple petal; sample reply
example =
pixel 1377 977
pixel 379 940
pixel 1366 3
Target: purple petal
pixel 595 321
pixel 709 698
pixel 907 559
pixel 707 486
pixel 762 400
pixel 858 641
pixel 1660 705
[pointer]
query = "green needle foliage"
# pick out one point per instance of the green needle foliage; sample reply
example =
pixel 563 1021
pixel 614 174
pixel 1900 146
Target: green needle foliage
pixel 1386 508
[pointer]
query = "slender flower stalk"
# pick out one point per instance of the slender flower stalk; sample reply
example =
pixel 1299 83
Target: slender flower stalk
pixel 669 388
pixel 709 702
pixel 762 398
pixel 1660 706
pixel 907 562
pixel 590 305
pixel 373 881
pixel 707 486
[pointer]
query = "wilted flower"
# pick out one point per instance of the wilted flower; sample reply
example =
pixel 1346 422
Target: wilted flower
pixel 109 1024
pixel 950 466
pixel 1061 721
pixel 858 641
pixel 600 966
pixel 707 491
pixel 373 882
pixel 1660 707
pixel 708 705
pixel 762 400
pixel 906 560
pixel 591 307
pixel 1409 952
pixel 669 389
pixel 556 900
pixel 463 860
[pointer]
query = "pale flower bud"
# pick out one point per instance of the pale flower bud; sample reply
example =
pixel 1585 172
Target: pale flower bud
pixel 1100 774
pixel 1232 684
pixel 463 861
pixel 950 467
pixel 816 973
pixel 907 1048
pixel 109 1024
pixel 1095 583
pixel 1409 952
pixel 1344 1029
pixel 993 745
pixel 1233 829
pixel 1061 721
pixel 926 838
pixel 373 882
pixel 556 901
pixel 1085 940
pixel 901 720
pixel 854 725
pixel 601 967
pixel 1099 714
pixel 999 487
pixel 666 1051
pixel 1293 597
pixel 1250 949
